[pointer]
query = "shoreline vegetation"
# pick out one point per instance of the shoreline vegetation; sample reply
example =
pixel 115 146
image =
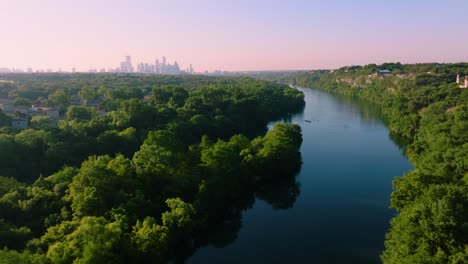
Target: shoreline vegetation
pixel 423 104
pixel 142 169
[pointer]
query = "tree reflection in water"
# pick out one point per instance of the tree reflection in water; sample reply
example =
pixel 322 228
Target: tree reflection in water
pixel 223 224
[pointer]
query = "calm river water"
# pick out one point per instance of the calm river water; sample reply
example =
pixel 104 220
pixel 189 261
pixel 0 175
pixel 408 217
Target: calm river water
pixel 341 213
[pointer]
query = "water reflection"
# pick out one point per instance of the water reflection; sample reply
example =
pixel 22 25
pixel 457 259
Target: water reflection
pixel 223 224
pixel 338 213
pixel 368 111
pixel 280 194
pixel 400 141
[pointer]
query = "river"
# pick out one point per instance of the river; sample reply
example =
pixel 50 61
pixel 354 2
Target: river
pixel 341 212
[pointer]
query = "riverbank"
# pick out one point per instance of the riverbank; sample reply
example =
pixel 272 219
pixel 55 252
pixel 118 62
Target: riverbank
pixel 336 210
pixel 431 112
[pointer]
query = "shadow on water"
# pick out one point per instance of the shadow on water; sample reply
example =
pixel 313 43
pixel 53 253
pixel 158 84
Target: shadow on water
pixel 400 141
pixel 280 194
pixel 368 111
pixel 223 225
pixel 335 210
pixel 372 112
pixel 254 132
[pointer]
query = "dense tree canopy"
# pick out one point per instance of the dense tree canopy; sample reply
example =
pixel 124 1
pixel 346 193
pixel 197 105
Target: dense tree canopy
pixel 423 104
pixel 144 174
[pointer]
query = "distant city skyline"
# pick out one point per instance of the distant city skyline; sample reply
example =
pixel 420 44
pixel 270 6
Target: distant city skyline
pixel 126 66
pixel 238 35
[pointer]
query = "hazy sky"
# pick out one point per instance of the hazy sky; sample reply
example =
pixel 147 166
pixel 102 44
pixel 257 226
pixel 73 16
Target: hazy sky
pixel 231 35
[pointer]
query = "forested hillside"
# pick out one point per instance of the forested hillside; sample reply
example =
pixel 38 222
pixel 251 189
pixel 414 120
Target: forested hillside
pixel 138 169
pixel 423 104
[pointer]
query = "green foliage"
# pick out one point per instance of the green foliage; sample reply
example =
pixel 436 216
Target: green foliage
pixel 280 149
pixel 12 256
pixel 156 160
pixel 154 165
pixel 102 184
pixel 431 229
pixel 41 122
pixel 60 180
pixel 169 95
pixel 60 99
pixel 150 240
pixel 8 184
pixel 4 119
pixel 20 101
pixel 179 218
pixel 91 240
pixel 423 105
pixel 80 113
pixel 87 94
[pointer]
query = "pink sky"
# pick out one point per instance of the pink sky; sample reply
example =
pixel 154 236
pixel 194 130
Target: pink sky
pixel 230 35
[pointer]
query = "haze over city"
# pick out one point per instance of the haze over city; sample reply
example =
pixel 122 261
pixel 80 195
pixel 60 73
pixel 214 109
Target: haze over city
pixel 231 35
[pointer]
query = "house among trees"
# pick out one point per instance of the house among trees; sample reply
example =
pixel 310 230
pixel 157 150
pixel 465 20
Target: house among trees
pixel 52 112
pixel 4 101
pixel 465 84
pixel 7 107
pixel 21 109
pixel 19 122
pixel 47 111
pixel 381 73
pixel 384 73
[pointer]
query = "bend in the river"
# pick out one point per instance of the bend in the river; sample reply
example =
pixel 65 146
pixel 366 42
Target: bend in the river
pixel 341 214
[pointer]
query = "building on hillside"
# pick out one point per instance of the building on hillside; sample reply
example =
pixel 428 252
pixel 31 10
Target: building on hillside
pixel 458 78
pixel 465 84
pixel 21 109
pixel 20 123
pixel 52 112
pixel 35 111
pixel 40 101
pixel 47 111
pixel 4 101
pixel 381 73
pixel 7 107
pixel 384 73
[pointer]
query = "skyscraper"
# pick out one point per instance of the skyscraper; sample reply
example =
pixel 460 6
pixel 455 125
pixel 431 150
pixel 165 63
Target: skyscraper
pixel 123 67
pixel 157 67
pixel 164 66
pixel 128 62
pixel 176 68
